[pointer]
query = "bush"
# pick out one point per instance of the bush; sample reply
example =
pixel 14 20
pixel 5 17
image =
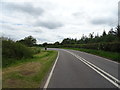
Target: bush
pixel 111 46
pixel 28 41
pixel 14 51
pixel 11 49
pixel 35 50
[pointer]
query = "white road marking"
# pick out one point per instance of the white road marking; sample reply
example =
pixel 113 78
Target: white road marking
pixel 98 56
pixel 50 75
pixel 89 64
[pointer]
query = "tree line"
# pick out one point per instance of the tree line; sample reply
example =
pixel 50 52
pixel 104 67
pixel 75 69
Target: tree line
pixel 111 36
pixel 107 41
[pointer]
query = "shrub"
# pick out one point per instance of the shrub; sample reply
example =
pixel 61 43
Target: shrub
pixel 35 50
pixel 109 46
pixel 11 49
pixel 14 51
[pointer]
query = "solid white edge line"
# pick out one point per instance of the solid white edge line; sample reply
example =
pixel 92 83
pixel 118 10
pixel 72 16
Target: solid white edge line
pixel 80 58
pixel 95 67
pixel 50 75
pixel 102 71
pixel 101 57
pixel 103 75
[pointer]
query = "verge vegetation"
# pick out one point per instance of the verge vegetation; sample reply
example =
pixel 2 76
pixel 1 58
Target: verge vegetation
pixel 24 63
pixel 110 55
pixel 30 72
pixel 13 52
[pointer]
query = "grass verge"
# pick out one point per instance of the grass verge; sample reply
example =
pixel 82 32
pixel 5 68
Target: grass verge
pixel 28 74
pixel 110 55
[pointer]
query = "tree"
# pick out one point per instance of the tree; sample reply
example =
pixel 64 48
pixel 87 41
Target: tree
pixel 104 33
pixel 56 43
pixel 45 44
pixel 111 32
pixel 97 36
pixel 28 41
pixel 118 31
pixel 83 38
pixel 91 35
pixel 66 41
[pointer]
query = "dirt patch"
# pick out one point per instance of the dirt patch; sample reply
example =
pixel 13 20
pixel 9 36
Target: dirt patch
pixel 30 68
pixel 12 83
pixel 27 73
pixel 17 83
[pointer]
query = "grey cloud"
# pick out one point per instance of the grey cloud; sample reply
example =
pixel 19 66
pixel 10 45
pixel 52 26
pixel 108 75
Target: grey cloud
pixel 60 37
pixel 49 24
pixel 104 21
pixel 42 39
pixel 79 14
pixel 25 8
pixel 76 14
pixel 38 31
pixel 7 26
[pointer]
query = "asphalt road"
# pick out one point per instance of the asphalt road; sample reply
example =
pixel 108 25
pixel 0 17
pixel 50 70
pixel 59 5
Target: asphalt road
pixel 75 69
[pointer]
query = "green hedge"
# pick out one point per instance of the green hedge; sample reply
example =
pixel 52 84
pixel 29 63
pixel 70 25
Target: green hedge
pixel 111 46
pixel 16 50
pixel 13 52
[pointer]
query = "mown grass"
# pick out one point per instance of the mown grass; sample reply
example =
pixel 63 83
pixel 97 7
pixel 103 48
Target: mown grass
pixel 110 55
pixel 30 73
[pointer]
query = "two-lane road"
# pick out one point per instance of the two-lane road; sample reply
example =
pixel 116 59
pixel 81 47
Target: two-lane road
pixel 75 69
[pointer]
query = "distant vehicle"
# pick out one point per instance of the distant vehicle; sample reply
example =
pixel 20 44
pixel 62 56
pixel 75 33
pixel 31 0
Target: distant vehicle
pixel 45 48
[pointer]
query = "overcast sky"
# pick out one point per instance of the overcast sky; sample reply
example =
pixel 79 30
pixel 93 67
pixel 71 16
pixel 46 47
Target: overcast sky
pixel 54 20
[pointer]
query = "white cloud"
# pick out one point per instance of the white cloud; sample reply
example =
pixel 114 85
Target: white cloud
pixel 53 20
pixel 25 8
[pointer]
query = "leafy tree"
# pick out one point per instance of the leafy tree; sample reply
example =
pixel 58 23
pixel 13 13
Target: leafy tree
pixel 104 33
pixel 91 35
pixel 66 41
pixel 97 36
pixel 56 43
pixel 118 31
pixel 28 41
pixel 45 44
pixel 111 32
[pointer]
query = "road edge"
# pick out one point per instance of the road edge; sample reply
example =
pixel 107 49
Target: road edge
pixel 99 72
pixel 110 60
pixel 50 74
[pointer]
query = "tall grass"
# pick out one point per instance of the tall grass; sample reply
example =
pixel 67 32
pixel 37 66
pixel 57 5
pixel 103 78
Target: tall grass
pixel 35 50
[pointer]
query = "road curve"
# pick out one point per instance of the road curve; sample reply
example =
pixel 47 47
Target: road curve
pixel 75 69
